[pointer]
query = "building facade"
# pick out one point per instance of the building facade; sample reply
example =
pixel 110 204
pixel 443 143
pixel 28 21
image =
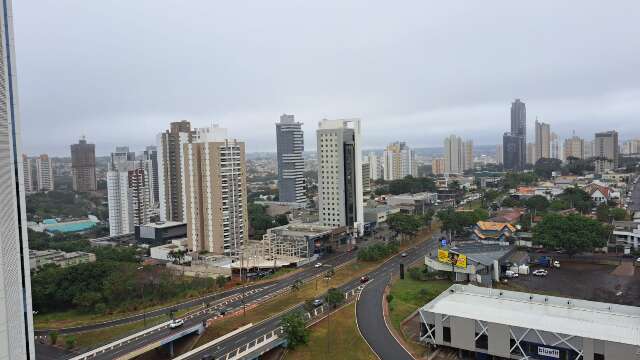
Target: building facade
pixel 290 144
pixel 340 198
pixel 499 154
pixel 399 161
pixel 574 147
pixel 128 193
pixel 83 166
pixel 556 149
pixel 513 148
pixel 366 178
pixel 27 168
pixel 543 141
pixel 467 147
pixel 375 166
pixel 171 190
pixel 531 153
pixel 631 147
pixel 16 316
pixel 150 158
pixel 606 146
pixel 216 193
pixel 438 166
pixel 453 155
pixel 44 172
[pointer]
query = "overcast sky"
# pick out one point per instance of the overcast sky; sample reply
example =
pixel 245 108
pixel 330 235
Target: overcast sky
pixel 119 71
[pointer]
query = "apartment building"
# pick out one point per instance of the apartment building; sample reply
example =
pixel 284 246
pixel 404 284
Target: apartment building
pixel 290 147
pixel 27 169
pixel 44 173
pixel 216 193
pixel 399 161
pixel 83 166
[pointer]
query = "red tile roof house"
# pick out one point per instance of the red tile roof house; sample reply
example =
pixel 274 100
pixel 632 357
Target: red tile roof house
pixel 599 194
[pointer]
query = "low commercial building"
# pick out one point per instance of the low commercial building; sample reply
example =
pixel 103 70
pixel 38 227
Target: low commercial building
pixel 165 252
pixel 39 258
pixel 627 233
pixel 493 231
pixel 378 214
pixel 304 240
pixel 416 204
pixel 488 323
pixel 160 232
pixel 471 261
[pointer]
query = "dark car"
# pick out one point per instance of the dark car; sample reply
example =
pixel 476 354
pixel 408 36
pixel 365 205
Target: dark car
pixel 364 279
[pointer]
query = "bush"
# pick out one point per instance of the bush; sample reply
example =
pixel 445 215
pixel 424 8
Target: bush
pixel 377 252
pixel 389 298
pixel 69 342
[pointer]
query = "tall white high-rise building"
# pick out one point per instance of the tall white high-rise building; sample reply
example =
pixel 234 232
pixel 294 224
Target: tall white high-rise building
pixel 170 156
pixel 631 147
pixel 150 159
pixel 453 155
pixel 375 166
pixel 290 145
pixel 215 180
pixel 27 167
pixel 128 193
pixel 399 161
pixel 16 316
pixel 543 141
pixel 573 148
pixel 556 148
pixel 340 198
pixel 499 154
pixel 44 171
pixel 588 149
pixel 531 153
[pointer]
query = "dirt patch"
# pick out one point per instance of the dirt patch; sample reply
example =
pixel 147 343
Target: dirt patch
pixel 588 281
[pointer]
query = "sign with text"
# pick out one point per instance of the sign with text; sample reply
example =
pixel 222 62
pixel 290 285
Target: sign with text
pixel 450 257
pixel 548 352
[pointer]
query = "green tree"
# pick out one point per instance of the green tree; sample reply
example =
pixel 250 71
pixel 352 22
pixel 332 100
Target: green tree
pixel 573 233
pixel 53 337
pixel 221 281
pixel 537 202
pixel 602 213
pixel 578 199
pixel 334 298
pixel 296 286
pixel 619 214
pixel 558 205
pixel 405 224
pixel 545 167
pixel 69 342
pixel 295 330
pixel 511 202
pixel 281 219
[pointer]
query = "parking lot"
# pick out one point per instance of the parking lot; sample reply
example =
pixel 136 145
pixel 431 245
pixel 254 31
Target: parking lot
pixel 586 280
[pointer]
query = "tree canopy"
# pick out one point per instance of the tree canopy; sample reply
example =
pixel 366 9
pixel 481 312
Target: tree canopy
pixel 574 233
pixel 456 221
pixel 545 167
pixel 577 198
pixel 537 202
pixel 295 330
pixel 411 185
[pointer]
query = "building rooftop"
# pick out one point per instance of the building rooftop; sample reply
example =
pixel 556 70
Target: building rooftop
pixel 164 224
pixel 484 254
pixel 588 319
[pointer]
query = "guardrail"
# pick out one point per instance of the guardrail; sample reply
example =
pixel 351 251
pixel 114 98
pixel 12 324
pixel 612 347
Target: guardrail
pixel 213 342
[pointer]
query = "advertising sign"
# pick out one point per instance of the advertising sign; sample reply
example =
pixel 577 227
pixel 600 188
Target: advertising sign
pixel 549 352
pixel 443 242
pixel 450 257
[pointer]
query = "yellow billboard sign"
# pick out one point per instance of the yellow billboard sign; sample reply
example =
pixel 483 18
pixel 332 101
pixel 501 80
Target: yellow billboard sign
pixel 447 257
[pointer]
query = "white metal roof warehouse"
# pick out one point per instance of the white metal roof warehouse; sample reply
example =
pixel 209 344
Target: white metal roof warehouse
pixel 519 325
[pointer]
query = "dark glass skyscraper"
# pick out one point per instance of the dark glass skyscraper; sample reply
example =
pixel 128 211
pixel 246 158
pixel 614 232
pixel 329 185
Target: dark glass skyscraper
pixel 290 142
pixel 514 143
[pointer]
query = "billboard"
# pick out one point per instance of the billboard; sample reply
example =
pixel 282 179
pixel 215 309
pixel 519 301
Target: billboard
pixel 450 257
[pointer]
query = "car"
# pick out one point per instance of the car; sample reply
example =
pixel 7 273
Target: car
pixel 318 265
pixel 318 302
pixel 403 254
pixel 176 323
pixel 540 272
pixel 510 274
pixel 638 260
pixel 364 279
pixel 556 264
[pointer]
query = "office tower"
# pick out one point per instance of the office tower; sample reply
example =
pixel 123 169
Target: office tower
pixel 573 148
pixel 366 178
pixel 83 166
pixel 467 154
pixel 606 146
pixel 216 194
pixel 556 152
pixel 453 155
pixel 631 147
pixel 44 172
pixel 290 143
pixel 543 141
pixel 340 199
pixel 513 147
pixel 171 192
pixel 16 316
pixel 514 142
pixel 531 153
pixel 128 193
pixel 499 154
pixel 399 161
pixel 438 166
pixel 375 166
pixel 27 170
pixel 150 159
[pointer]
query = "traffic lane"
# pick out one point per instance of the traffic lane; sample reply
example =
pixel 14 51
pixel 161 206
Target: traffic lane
pixel 372 326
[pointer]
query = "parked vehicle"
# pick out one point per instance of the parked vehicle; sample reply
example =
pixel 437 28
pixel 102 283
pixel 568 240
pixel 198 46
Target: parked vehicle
pixel 176 323
pixel 556 264
pixel 318 265
pixel 510 274
pixel 318 302
pixel 403 254
pixel 544 261
pixel 540 272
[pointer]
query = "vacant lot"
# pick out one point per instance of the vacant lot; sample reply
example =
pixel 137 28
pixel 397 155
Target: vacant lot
pixel 583 280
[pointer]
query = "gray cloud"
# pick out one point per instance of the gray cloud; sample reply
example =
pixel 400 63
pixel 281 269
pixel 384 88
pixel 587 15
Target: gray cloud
pixel 120 71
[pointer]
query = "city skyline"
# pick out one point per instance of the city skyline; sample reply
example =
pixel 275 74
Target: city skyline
pixel 402 86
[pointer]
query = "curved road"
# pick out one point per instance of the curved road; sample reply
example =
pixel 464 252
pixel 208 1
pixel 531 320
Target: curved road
pixel 369 306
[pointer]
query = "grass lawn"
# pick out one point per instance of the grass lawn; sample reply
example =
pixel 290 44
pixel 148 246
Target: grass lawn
pixel 345 341
pixel 409 295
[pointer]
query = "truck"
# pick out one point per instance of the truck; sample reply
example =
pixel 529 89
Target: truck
pixel 544 261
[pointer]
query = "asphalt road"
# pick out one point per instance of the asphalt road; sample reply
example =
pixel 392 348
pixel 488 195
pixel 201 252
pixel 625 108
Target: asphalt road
pixel 635 196
pixel 369 306
pixel 378 276
pixel 259 292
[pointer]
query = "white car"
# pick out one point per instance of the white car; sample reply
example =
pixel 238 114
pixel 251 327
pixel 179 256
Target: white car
pixel 318 265
pixel 540 272
pixel 176 323
pixel 510 274
pixel 556 264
